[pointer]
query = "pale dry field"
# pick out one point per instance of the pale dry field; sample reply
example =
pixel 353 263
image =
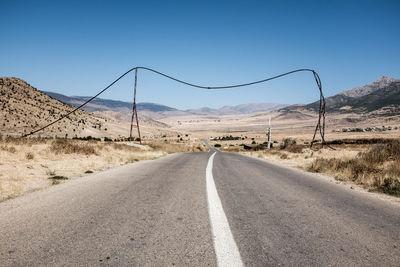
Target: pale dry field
pixel 32 164
pixel 297 125
pixel 351 163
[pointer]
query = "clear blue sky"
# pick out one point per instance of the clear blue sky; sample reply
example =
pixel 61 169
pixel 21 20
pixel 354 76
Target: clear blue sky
pixel 78 48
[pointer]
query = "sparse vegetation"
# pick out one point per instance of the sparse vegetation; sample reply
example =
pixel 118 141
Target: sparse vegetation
pixel 287 142
pixel 57 179
pixel 29 156
pixel 57 158
pixel 378 168
pixel 66 146
pixel 227 138
pixel 173 148
pixel 371 163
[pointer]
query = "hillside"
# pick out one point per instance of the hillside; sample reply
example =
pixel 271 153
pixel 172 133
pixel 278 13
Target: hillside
pixel 24 109
pixel 380 97
pixel 369 88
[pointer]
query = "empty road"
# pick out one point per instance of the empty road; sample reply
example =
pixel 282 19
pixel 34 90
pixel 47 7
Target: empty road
pixel 199 209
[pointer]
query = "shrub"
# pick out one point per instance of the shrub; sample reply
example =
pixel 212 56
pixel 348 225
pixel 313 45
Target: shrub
pixel 284 156
pixel 295 148
pixel 29 155
pixel 287 142
pixel 87 138
pixel 217 145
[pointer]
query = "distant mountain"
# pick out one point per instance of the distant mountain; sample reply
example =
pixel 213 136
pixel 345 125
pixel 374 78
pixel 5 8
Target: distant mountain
pixel 156 111
pixel 239 109
pixel 369 88
pixel 100 104
pixel 383 93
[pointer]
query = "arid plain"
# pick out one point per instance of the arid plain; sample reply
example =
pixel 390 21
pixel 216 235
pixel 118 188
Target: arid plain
pixel 97 138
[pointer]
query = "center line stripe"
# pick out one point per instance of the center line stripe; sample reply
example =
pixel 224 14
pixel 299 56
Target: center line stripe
pixel 225 247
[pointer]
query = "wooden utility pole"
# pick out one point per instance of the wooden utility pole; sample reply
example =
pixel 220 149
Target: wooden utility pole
pixel 269 133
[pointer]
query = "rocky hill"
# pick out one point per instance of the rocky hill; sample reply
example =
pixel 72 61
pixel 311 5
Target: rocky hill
pixel 369 88
pixel 379 97
pixel 24 109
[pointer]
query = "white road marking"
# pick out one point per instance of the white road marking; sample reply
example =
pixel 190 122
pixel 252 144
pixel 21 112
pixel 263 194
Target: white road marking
pixel 224 244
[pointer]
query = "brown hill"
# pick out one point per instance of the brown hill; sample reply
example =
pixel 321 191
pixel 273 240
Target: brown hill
pixel 379 97
pixel 24 109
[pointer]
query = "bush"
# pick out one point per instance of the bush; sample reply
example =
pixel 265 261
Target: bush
pixel 29 155
pixel 227 138
pixel 287 142
pixel 217 145
pixel 87 138
pixel 295 149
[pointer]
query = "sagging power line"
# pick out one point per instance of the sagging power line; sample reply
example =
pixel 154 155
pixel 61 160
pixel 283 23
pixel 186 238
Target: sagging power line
pixel 320 127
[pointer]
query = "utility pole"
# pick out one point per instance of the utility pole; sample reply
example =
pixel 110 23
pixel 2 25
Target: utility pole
pixel 134 112
pixel 269 133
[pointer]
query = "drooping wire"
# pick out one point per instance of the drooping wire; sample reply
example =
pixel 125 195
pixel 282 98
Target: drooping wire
pixel 320 127
pixel 75 109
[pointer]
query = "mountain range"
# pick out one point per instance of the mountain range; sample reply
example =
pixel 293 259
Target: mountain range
pixel 157 111
pixel 382 95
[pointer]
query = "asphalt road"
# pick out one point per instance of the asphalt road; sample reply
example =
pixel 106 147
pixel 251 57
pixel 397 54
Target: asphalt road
pixel 156 213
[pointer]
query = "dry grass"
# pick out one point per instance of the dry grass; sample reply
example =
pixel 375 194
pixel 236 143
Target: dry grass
pixel 65 146
pixel 373 165
pixel 377 169
pixel 178 147
pixel 33 163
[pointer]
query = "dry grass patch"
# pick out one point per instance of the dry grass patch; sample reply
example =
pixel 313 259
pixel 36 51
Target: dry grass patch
pixel 377 169
pixel 66 146
pixel 178 147
pixel 371 163
pixel 33 163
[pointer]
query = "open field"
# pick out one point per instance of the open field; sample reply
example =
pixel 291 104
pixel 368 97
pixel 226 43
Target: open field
pixel 32 164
